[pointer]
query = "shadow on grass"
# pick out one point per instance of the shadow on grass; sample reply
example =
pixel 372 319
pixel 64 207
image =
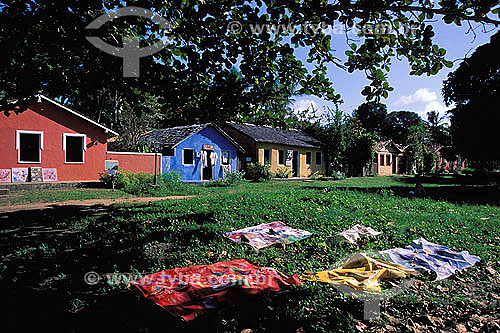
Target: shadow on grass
pixel 465 194
pixel 46 254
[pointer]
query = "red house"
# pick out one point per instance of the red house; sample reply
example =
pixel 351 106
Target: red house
pixel 50 135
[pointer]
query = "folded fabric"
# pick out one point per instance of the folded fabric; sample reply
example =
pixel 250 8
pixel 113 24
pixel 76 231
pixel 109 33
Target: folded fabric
pixel 266 234
pixel 354 234
pixel 428 257
pixel 361 273
pixel 189 291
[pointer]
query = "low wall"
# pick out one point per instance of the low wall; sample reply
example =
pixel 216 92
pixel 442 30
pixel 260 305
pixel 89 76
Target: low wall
pixel 136 162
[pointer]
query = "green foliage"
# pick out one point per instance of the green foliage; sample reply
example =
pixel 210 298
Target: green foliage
pixel 197 65
pixel 258 173
pixel 168 234
pixel 283 172
pixel 142 184
pixel 475 118
pixel 172 176
pixel 417 148
pixel 337 175
pixel 232 178
pixel 372 116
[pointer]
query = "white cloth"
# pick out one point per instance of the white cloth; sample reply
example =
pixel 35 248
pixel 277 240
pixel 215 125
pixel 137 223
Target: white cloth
pixel 204 158
pixel 355 233
pixel 213 158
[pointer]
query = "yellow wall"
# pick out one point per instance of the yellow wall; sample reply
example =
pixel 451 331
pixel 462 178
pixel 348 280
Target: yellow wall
pixel 304 169
pixel 386 170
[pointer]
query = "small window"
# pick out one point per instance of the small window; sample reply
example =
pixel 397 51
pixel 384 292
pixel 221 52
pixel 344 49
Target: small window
pixel 188 156
pixel 74 147
pixel 388 159
pixel 309 157
pixel 282 157
pixel 226 157
pixel 319 158
pixel 381 159
pixel 29 145
pixel 267 156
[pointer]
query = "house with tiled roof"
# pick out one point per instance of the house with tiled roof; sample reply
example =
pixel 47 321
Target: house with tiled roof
pixel 292 150
pixel 199 152
pixel 389 159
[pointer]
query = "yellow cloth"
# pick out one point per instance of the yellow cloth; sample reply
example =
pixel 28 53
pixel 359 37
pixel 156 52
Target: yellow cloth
pixel 362 273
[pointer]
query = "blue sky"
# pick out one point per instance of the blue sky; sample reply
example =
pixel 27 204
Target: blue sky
pixel 413 93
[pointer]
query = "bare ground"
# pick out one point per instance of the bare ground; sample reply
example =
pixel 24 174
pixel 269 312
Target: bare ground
pixel 83 203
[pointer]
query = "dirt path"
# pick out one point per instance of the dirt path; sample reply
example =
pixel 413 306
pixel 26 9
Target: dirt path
pixel 88 203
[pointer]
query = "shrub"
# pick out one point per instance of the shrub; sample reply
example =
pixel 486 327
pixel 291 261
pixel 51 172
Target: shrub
pixel 235 177
pixel 172 176
pixel 258 172
pixel 232 178
pixel 283 173
pixel 142 183
pixel 120 179
pixel 338 175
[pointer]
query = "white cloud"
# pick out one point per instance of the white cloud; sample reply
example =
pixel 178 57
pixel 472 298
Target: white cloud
pixel 436 106
pixel 305 104
pixel 420 95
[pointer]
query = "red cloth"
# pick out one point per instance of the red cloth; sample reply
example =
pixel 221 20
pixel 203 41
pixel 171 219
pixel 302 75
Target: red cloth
pixel 192 290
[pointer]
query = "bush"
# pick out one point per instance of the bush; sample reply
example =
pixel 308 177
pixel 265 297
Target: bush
pixel 258 172
pixel 283 173
pixel 141 184
pixel 232 178
pixel 338 175
pixel 235 177
pixel 172 176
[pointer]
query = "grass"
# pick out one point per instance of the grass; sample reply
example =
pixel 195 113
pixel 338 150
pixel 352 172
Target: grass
pixel 62 195
pixel 46 255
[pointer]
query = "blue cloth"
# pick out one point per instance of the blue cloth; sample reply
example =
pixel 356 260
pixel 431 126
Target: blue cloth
pixel 425 257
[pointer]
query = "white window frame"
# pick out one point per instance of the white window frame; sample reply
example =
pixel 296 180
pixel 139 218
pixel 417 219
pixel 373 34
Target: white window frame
pixel 183 156
pixel 18 146
pixel 84 143
pixel 316 158
pixel 309 152
pixel 284 156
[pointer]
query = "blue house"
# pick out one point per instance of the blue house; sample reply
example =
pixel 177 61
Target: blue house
pixel 199 152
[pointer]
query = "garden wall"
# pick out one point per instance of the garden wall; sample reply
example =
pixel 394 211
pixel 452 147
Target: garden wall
pixel 136 162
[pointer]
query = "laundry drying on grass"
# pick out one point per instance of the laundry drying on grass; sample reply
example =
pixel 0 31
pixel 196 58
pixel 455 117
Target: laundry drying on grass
pixel 363 273
pixel 190 291
pixel 356 233
pixel 430 258
pixel 266 234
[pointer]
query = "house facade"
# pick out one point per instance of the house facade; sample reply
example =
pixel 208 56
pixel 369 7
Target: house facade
pixel 51 137
pixel 291 150
pixel 388 159
pixel 199 152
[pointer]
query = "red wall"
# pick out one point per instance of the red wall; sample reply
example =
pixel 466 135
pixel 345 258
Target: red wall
pixel 136 162
pixel 53 122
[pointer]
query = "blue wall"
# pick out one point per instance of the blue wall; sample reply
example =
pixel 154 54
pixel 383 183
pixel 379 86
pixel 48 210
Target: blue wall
pixel 209 136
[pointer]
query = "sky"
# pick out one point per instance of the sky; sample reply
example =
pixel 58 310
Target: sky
pixel 419 94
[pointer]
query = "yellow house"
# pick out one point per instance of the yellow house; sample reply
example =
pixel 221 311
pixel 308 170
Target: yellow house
pixel 284 150
pixel 388 159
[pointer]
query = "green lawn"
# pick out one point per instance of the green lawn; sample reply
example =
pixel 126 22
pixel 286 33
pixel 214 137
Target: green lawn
pixel 61 195
pixel 46 255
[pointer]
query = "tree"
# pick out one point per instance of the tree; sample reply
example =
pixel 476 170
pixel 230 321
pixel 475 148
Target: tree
pixel 47 51
pixel 474 89
pixel 372 116
pixel 360 145
pixel 417 148
pixel 399 124
pixel 439 134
